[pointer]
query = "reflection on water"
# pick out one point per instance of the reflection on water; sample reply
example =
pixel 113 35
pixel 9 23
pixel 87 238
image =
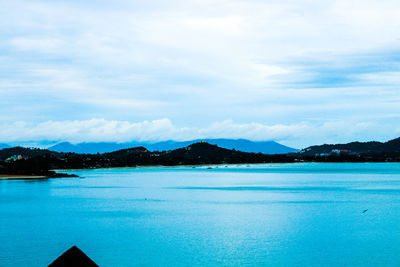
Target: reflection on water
pixel 267 215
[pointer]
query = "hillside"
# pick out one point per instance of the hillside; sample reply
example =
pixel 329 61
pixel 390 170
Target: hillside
pixel 28 152
pixel 391 146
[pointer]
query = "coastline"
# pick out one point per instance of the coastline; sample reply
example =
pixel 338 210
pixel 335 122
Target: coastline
pixel 36 177
pixel 21 177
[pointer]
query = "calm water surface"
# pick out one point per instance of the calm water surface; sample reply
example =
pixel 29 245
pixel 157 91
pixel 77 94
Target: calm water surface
pixel 240 215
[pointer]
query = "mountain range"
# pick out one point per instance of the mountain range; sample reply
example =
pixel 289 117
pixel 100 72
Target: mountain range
pixel 265 147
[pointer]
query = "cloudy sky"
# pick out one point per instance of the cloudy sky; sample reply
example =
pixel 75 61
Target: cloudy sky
pixel 300 72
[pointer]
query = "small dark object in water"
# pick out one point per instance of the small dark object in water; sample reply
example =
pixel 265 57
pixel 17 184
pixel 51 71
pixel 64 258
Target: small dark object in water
pixel 365 211
pixel 73 257
pixel 209 168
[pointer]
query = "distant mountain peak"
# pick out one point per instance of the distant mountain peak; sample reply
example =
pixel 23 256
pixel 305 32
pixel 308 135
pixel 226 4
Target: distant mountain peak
pixel 201 144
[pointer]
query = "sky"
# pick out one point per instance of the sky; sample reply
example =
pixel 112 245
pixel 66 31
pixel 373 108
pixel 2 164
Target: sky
pixel 299 72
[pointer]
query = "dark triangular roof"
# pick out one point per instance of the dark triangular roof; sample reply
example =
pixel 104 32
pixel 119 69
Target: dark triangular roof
pixel 73 257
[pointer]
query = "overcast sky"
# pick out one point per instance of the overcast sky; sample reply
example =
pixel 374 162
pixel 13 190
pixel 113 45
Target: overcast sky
pixel 300 72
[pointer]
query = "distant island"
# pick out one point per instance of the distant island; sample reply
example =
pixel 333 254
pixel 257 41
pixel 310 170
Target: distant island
pixel 41 162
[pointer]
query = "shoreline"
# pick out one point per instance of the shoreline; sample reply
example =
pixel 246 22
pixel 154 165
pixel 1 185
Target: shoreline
pixel 21 177
pixel 36 177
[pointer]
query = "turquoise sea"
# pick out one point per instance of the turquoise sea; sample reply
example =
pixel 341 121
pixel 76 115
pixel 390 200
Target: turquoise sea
pixel 306 214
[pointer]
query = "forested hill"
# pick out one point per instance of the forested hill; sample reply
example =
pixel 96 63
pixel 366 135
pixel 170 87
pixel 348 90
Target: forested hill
pixel 26 152
pixel 392 146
